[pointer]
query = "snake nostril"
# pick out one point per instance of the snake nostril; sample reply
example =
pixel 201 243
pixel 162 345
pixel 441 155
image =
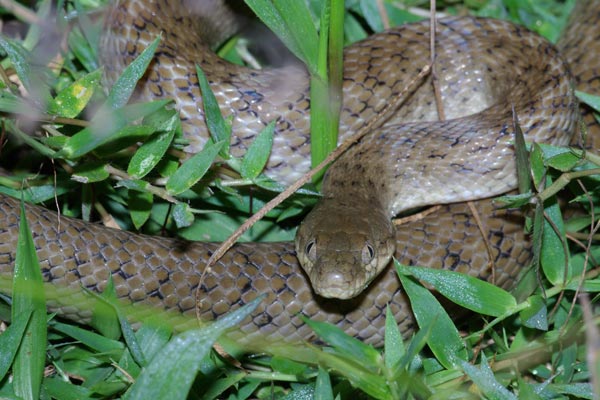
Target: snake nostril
pixel 368 252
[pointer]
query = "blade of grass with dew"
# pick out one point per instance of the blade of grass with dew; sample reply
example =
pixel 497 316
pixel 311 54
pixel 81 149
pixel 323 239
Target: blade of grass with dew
pixel 90 339
pixel 484 378
pixel 101 133
pixel 393 345
pixel 444 340
pixel 167 125
pixel 323 389
pixel 346 344
pixel 466 291
pixel 256 157
pixel 28 297
pixel 173 369
pixel 30 78
pixel 218 127
pixel 104 317
pixel 121 91
pixel 10 341
pixel 194 168
pixel 554 258
pixel 70 101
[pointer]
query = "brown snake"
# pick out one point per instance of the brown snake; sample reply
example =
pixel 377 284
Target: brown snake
pixel 165 272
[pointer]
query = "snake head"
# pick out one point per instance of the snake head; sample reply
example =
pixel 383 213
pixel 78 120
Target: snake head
pixel 342 247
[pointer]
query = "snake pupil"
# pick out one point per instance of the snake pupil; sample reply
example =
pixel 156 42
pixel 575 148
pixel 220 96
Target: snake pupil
pixel 311 250
pixel 368 253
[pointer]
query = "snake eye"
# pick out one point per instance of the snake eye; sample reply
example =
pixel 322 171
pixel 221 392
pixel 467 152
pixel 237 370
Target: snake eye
pixel 368 252
pixel 311 250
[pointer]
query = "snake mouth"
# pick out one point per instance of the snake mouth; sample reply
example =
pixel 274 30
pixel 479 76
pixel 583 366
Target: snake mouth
pixel 336 288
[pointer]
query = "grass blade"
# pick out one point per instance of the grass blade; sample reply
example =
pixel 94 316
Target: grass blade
pixel 28 297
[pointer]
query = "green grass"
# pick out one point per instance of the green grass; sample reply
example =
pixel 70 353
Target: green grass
pixel 532 344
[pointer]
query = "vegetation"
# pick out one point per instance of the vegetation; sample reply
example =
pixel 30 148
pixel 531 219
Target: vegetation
pixel 540 342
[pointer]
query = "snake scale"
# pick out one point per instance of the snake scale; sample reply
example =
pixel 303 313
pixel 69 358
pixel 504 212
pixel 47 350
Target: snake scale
pixel 484 65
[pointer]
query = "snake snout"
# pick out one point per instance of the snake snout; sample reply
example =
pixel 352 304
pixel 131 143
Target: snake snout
pixel 335 284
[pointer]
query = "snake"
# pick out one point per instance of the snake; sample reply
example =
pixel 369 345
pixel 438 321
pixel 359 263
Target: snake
pixel 487 68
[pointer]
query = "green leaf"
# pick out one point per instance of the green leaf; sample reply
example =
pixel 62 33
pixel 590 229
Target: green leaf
pixel 372 15
pixel 81 48
pixel 152 337
pixel 101 132
pixel 10 341
pixel 28 297
pixel 484 378
pixel 564 161
pixel 589 99
pixel 153 150
pixel 218 127
pixel 258 153
pixel 91 339
pixel 350 347
pixel 19 57
pixel 183 216
pixel 466 291
pixel 139 205
pixel 10 103
pixel 193 169
pixel 59 389
pixel 536 315
pixel 444 340
pixel 521 157
pixel 104 318
pixel 125 85
pixel 290 21
pixel 538 169
pixel 393 344
pixel 221 385
pixel 132 343
pixel 323 388
pixel 72 100
pixel 164 377
pixel 287 366
pixel 94 171
pixel 555 262
pixel 526 392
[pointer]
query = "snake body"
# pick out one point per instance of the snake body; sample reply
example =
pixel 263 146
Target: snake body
pixel 498 65
pixel 348 239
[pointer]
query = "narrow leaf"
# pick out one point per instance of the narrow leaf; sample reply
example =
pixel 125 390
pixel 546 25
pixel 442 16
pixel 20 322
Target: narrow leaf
pixel 10 341
pixel 28 295
pixel 484 378
pixel 466 291
pixel 345 344
pixel 193 169
pixel 73 99
pixel 444 340
pixel 258 153
pixel 393 345
pixel 123 88
pixel 178 363
pixel 218 127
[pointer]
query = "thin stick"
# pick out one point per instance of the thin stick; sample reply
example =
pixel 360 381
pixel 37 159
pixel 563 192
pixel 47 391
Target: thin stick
pixel 416 217
pixel 434 75
pixel 442 117
pixel 385 19
pixel 21 12
pixel 488 245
